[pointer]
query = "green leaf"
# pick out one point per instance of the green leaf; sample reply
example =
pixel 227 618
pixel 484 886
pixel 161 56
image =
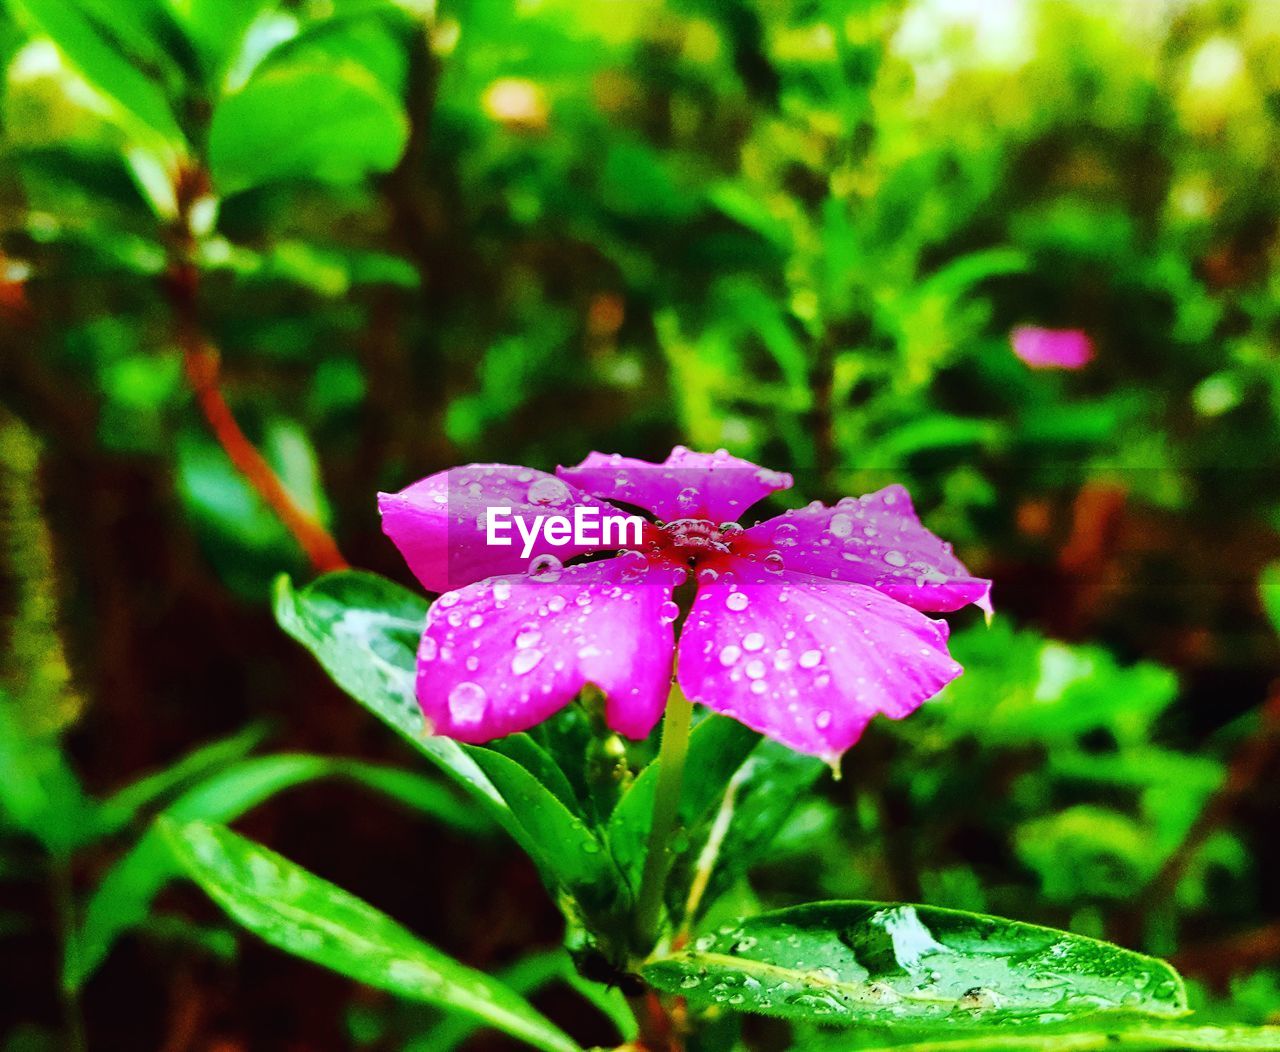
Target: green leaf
pixel 717 748
pixel 310 918
pixel 1106 1030
pixel 335 124
pixel 1020 688
pixel 538 762
pixel 121 902
pixel 364 630
pixel 569 855
pixel 243 536
pixel 123 807
pixel 736 834
pixel 39 792
pixel 871 962
pixel 527 977
pixel 216 28
pixel 1269 591
pixel 93 52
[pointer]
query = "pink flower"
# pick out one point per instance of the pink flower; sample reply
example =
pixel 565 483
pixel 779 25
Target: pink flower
pixel 1052 348
pixel 803 627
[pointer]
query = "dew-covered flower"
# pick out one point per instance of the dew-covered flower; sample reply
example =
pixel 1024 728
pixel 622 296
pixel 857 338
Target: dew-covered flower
pixel 1051 348
pixel 803 627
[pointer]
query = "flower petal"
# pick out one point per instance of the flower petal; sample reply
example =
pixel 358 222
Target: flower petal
pixel 687 485
pixel 504 654
pixel 438 523
pixel 808 662
pixel 875 540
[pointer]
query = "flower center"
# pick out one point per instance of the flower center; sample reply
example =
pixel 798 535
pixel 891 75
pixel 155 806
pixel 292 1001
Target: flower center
pixel 694 541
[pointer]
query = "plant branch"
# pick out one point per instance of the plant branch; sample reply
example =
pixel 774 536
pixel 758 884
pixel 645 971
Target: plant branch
pixel 1216 962
pixel 202 366
pixel 656 1031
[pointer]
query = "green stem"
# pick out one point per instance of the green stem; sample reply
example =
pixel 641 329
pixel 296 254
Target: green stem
pixel 666 805
pixel 64 904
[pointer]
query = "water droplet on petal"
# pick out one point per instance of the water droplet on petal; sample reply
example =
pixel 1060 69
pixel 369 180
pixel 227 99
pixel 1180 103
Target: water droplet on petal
pixel 895 558
pixel 786 534
pixel 525 660
pixel 501 591
pixel 755 669
pixel 737 601
pixel 841 525
pixel 687 499
pixel 729 654
pixel 527 636
pixel 752 641
pixel 668 612
pixel 823 720
pixel 548 491
pixel 774 563
pixel 467 702
pixel 545 567
pixel 634 566
pixel 810 658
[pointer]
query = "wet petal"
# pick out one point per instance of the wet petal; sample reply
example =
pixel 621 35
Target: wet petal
pixel 438 523
pixel 875 540
pixel 809 662
pixel 1051 348
pixel 687 485
pixel 501 655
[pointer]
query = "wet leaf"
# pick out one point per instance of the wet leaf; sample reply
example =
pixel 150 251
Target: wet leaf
pixel 569 855
pixel 364 630
pixel 869 962
pixel 301 914
pixel 123 898
pixel 1104 1030
pixel 736 833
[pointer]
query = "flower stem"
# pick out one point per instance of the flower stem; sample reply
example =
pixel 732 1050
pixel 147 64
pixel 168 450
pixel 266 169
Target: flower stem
pixel 666 803
pixel 64 906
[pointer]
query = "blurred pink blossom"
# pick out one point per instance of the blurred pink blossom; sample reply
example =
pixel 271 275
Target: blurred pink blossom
pixel 1051 348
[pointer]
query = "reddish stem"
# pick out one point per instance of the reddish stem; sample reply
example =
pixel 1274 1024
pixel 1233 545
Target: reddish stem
pixel 658 1032
pixel 202 365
